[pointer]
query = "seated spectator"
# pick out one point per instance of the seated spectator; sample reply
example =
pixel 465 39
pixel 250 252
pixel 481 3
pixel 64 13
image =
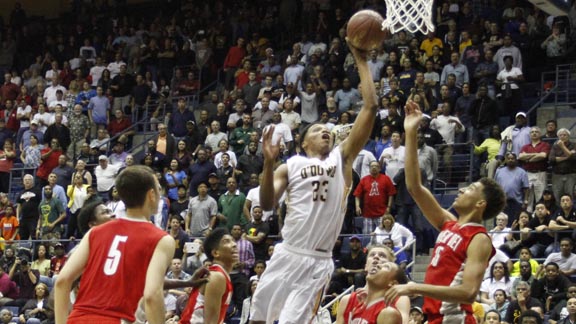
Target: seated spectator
pixel 565 259
pixel 42 263
pixel 499 233
pixel 491 146
pixel 564 220
pixel 6 317
pixel 101 142
pixel 176 272
pixel 401 258
pixel 539 239
pixel 525 275
pixel 525 254
pixel 247 302
pixel 223 148
pixel 26 279
pixel 118 156
pixel 500 305
pixel 390 228
pixel 552 288
pixel 524 301
pixel 105 176
pixel 351 268
pixel 499 280
pixel 562 314
pixel 215 136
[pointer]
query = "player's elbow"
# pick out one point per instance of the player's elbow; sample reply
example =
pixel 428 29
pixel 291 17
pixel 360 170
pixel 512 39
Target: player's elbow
pixel 469 295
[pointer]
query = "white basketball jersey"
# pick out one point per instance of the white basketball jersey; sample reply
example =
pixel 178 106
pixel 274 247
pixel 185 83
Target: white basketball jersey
pixel 316 202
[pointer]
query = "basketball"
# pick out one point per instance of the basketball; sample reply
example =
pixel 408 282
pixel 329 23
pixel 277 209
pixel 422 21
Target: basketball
pixel 364 30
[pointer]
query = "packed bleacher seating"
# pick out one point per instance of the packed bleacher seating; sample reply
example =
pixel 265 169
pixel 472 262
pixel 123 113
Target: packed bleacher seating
pixel 187 87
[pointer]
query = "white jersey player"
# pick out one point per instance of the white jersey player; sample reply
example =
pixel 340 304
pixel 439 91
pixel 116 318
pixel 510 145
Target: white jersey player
pixel 316 187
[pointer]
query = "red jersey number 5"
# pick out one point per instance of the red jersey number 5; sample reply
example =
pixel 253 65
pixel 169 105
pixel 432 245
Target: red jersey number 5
pixel 114 255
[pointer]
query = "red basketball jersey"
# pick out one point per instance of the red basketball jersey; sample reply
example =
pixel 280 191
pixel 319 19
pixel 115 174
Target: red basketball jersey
pixel 446 269
pixel 115 275
pixel 194 311
pixel 360 313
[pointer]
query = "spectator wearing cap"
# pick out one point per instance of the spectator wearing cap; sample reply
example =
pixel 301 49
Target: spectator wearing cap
pixel 350 270
pixel 508 80
pixel 562 160
pixel 199 171
pixel 202 211
pixel 58 261
pixel 118 155
pixel 177 120
pixel 416 315
pixel 515 137
pixel 105 176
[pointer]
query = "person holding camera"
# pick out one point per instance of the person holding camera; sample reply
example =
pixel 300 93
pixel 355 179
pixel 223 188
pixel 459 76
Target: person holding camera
pixel 25 278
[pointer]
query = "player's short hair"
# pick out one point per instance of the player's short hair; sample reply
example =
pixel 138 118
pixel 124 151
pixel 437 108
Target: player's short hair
pixel 213 241
pixel 554 264
pixel 494 196
pixel 134 183
pixel 87 214
pixel 389 252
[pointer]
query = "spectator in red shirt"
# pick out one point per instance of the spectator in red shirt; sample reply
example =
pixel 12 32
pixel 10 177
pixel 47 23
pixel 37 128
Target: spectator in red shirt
pixel 58 260
pixel 233 61
pixel 9 114
pixel 119 124
pixel 376 193
pixel 242 75
pixel 8 91
pixel 49 156
pixel 7 156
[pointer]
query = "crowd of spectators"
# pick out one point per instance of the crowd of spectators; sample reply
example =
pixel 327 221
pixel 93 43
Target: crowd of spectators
pixel 71 91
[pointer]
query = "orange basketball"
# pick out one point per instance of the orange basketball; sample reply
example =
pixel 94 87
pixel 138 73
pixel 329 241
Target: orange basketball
pixel 364 30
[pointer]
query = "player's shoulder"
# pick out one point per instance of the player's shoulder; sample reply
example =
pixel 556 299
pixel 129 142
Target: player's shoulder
pixel 389 315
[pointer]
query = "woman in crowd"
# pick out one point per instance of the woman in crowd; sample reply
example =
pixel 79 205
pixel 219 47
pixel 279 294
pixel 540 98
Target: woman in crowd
pixel 42 263
pixel 175 176
pixel 499 279
pixel 183 155
pixel 81 170
pixel 501 303
pixel 77 194
pixel 115 204
pixel 399 233
pixel 37 308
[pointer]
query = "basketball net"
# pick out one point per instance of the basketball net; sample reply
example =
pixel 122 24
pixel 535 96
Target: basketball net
pixel 411 15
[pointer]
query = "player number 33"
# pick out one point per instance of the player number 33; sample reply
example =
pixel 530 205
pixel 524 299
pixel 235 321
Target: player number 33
pixel 320 190
pixel 114 255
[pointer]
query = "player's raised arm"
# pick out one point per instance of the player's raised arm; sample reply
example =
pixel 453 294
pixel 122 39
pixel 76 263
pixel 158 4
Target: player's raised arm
pixel 363 124
pixel 435 214
pixel 69 273
pixel 273 183
pixel 153 294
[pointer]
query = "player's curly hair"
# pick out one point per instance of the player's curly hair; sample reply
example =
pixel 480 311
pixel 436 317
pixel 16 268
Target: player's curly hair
pixel 495 198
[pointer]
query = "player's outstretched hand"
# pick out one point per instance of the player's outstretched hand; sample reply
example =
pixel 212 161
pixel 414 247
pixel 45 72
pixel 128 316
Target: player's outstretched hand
pixel 413 115
pixel 200 277
pixel 269 149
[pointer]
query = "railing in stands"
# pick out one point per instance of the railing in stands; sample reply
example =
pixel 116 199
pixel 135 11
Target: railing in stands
pixel 459 169
pixel 326 307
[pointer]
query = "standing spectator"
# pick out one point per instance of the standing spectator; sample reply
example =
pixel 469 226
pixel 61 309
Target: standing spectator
pixel 240 136
pixel 233 60
pixel 27 208
pixel 179 235
pixel 105 176
pixel 483 115
pixel 230 206
pixel 430 42
pixel 215 136
pixel 289 116
pixel 179 118
pixel 199 171
pixel 293 73
pixel 427 159
pixel 8 90
pixel 562 159
pixel 7 156
pixel 506 50
pixel 33 131
pixel 374 197
pixel 58 130
pixel 536 234
pixel 256 233
pixel 485 73
pixel 459 70
pixel 515 137
pixel 534 159
pixel 240 273
pixel 175 177
pixel 514 182
pixel 99 110
pixel 63 172
pixel 120 124
pixel 509 79
pixel 202 211
pixel 555 46
pixel 79 125
pixel 251 89
pixel 140 97
pixel 50 92
pixel 407 77
pixel 165 144
pixel 50 157
pixel 52 213
pixel 114 67
pixel 447 125
pixel 122 85
pixel 78 193
pixel 393 156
